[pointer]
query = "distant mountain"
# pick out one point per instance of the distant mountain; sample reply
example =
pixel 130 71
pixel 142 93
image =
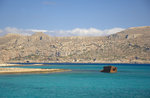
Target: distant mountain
pixel 129 46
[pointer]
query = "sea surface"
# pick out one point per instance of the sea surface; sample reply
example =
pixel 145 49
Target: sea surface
pixel 84 81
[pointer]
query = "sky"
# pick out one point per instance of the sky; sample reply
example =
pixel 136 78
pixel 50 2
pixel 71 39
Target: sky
pixel 72 17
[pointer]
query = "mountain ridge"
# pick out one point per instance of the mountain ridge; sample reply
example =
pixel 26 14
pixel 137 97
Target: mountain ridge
pixel 128 46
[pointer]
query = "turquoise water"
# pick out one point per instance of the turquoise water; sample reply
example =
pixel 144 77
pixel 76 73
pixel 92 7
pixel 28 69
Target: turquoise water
pixel 85 81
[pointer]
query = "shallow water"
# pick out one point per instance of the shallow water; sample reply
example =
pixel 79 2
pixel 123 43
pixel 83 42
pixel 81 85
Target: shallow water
pixel 85 81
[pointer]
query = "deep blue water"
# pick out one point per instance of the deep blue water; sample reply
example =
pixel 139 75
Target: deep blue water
pixel 85 81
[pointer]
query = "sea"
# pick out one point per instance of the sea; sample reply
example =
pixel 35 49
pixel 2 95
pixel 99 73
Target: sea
pixel 84 81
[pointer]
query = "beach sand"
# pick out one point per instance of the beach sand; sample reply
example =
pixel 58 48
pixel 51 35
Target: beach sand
pixel 20 65
pixel 29 70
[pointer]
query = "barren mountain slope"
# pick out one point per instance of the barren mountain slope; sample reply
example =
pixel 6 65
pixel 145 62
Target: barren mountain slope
pixel 129 46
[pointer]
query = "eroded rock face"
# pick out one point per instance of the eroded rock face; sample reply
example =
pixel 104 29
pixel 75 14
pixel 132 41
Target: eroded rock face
pixel 109 69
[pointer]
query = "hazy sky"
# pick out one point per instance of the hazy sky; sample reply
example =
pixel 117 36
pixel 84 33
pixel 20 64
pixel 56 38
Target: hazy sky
pixel 70 15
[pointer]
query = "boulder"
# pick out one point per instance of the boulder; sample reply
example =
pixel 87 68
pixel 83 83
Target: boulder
pixel 109 69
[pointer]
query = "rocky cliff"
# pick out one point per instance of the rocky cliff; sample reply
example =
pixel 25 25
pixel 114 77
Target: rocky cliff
pixel 129 46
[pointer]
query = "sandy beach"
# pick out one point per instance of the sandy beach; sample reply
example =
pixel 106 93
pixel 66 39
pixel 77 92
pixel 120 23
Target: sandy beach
pixel 29 70
pixel 9 64
pixel 3 65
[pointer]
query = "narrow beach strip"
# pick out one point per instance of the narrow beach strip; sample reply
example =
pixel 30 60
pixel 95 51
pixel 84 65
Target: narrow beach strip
pixel 29 70
pixel 3 65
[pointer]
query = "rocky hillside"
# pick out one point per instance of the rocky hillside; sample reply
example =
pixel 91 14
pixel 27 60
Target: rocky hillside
pixel 129 46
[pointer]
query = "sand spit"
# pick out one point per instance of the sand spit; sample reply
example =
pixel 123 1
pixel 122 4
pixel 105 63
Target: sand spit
pixel 21 64
pixel 10 65
pixel 29 70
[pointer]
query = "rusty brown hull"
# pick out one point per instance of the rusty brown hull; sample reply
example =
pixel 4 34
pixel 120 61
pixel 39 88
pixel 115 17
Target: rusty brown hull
pixel 109 69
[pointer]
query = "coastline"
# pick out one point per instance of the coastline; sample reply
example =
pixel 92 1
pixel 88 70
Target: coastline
pixel 43 63
pixel 18 64
pixel 29 70
pixel 125 61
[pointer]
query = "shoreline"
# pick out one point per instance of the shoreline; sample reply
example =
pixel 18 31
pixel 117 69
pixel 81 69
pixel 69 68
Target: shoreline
pixel 55 63
pixel 29 70
pixel 84 61
pixel 43 63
